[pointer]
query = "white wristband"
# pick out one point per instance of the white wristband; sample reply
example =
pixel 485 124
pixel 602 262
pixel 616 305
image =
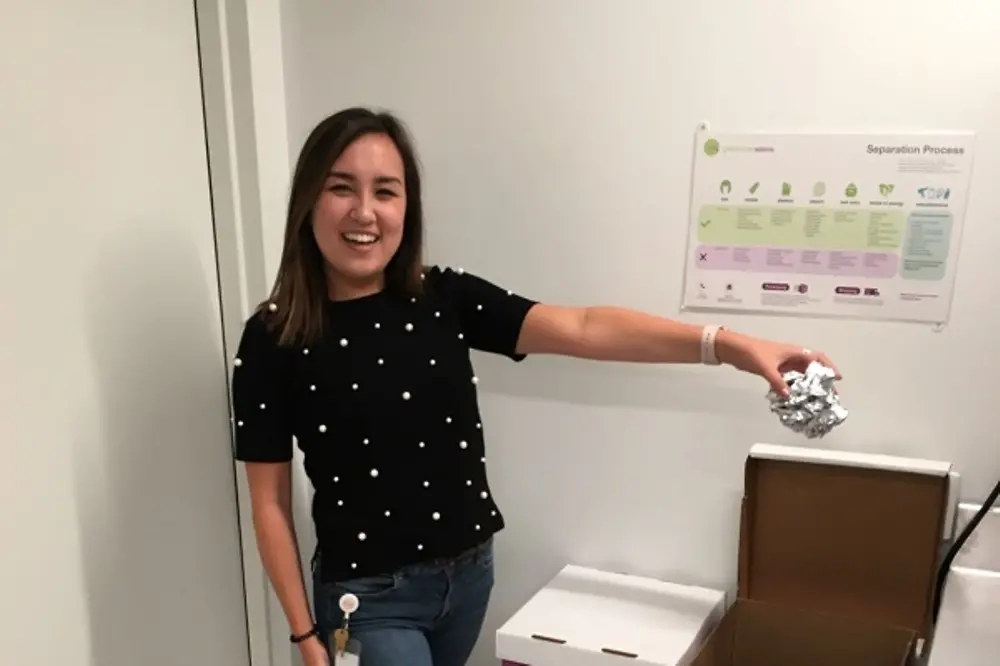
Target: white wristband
pixel 708 355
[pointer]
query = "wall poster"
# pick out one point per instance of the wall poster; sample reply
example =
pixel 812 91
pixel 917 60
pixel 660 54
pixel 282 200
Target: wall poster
pixel 851 225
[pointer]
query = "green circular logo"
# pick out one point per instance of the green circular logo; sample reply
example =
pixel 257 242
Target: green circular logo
pixel 711 147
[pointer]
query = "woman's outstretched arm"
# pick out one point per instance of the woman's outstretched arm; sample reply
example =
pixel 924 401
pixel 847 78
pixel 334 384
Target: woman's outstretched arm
pixel 620 334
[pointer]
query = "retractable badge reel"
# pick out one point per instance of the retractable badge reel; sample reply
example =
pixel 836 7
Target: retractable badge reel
pixel 346 650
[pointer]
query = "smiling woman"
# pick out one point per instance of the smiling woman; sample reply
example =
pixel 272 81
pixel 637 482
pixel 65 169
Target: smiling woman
pixel 355 183
pixel 363 355
pixel 358 219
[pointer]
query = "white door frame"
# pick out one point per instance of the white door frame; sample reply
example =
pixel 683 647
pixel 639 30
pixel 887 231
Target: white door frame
pixel 246 140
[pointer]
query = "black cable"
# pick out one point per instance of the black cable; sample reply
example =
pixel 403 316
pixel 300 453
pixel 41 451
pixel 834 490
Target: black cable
pixel 953 551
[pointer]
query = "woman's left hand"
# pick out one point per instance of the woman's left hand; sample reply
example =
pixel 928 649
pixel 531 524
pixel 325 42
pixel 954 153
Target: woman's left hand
pixel 767 359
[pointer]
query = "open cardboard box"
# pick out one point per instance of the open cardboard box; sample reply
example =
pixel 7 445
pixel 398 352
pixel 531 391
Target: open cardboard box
pixel 587 617
pixel 837 560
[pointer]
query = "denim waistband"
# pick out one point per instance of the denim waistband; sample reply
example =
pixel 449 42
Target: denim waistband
pixel 467 556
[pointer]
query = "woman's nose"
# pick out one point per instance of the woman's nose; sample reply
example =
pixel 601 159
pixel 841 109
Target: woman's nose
pixel 364 211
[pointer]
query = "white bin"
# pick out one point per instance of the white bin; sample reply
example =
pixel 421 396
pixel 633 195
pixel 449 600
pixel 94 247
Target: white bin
pixel 586 617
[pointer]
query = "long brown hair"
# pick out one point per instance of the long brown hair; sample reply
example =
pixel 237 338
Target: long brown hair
pixel 295 307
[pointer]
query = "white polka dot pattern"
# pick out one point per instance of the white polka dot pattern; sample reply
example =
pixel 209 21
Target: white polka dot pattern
pixel 389 373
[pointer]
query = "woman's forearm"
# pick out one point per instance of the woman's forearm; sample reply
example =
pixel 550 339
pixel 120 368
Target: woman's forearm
pixel 620 334
pixel 279 553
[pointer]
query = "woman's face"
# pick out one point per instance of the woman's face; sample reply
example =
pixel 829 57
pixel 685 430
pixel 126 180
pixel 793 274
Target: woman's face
pixel 358 218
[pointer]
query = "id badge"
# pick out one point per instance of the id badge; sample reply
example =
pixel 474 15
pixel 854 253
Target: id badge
pixel 351 656
pixel 346 650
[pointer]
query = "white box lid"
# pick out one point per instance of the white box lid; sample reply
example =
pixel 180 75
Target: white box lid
pixel 588 617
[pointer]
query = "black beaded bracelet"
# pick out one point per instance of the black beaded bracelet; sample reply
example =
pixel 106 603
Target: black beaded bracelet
pixel 309 634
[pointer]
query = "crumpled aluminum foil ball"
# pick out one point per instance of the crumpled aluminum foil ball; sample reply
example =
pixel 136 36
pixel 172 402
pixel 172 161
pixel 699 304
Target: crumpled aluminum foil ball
pixel 812 407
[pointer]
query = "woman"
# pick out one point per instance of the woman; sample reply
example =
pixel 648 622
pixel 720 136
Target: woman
pixel 362 354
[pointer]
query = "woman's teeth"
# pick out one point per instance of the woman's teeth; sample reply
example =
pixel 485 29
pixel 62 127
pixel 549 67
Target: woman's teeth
pixel 360 238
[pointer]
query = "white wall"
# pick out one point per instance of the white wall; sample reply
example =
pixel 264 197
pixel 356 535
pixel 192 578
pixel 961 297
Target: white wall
pixel 117 496
pixel 557 138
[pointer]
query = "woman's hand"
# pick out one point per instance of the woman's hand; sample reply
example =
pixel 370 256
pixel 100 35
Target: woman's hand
pixel 767 359
pixel 314 652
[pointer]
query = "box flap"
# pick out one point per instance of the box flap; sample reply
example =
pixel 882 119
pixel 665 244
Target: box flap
pixel 843 533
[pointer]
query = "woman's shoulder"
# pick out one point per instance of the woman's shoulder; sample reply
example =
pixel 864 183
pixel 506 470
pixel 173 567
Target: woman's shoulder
pixel 261 332
pixel 456 282
pixel 434 273
pixel 262 321
pixel 444 278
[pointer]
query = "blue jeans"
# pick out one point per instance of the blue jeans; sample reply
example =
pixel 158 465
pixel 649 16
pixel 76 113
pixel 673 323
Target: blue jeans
pixel 426 614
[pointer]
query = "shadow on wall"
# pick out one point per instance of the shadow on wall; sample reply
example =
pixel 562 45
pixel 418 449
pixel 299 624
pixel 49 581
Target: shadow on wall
pixel 154 492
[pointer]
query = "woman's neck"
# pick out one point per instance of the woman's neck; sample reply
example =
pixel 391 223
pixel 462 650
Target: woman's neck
pixel 340 288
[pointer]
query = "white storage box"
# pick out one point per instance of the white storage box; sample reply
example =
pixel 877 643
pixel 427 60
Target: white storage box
pixel 586 617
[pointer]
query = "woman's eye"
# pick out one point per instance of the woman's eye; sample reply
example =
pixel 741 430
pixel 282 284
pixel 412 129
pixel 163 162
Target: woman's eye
pixel 340 188
pixel 386 193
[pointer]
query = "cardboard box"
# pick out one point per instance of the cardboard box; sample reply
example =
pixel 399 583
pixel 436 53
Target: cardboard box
pixel 587 617
pixel 837 560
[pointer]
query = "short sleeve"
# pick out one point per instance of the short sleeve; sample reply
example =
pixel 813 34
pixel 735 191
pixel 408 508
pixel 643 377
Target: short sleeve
pixel 260 410
pixel 491 317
